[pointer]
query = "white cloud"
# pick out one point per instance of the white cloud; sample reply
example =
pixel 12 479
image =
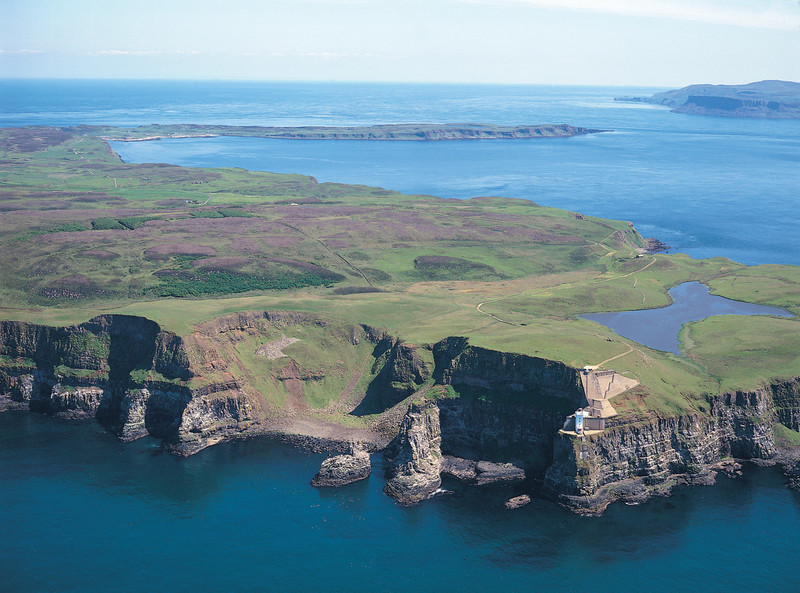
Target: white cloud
pixel 325 55
pixel 328 55
pixel 146 52
pixel 21 51
pixel 756 14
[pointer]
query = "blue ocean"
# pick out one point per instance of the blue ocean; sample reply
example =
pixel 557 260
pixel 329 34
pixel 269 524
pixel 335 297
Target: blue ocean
pixel 82 512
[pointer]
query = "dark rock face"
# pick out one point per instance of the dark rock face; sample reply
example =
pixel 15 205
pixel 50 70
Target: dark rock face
pixel 516 376
pixel 341 470
pixel 481 473
pixel 400 372
pixel 499 431
pixel 98 369
pixel 786 395
pixel 416 456
pixel 510 406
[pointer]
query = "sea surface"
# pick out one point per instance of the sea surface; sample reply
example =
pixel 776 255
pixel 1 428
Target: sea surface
pixel 82 512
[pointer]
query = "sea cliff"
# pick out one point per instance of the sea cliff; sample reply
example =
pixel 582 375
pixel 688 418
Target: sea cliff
pixel 479 415
pixel 632 461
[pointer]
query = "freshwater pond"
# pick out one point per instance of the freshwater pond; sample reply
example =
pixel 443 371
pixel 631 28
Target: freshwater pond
pixel 691 301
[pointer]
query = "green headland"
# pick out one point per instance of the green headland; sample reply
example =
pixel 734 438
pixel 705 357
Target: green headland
pixel 84 234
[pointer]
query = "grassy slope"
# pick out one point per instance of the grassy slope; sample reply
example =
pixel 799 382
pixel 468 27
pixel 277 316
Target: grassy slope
pixel 535 269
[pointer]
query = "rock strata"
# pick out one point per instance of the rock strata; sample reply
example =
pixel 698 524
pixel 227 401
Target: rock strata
pixel 633 461
pixel 341 470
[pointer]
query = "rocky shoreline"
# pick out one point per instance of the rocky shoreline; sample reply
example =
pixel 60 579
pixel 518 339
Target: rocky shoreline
pixel 480 416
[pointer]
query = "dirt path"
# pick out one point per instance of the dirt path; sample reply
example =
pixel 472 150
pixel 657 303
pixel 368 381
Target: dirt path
pixel 607 360
pixel 495 317
pixel 354 267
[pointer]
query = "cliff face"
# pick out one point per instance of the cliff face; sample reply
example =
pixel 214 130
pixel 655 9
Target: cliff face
pixel 514 376
pixel 786 395
pixel 488 409
pixel 121 370
pixel 475 407
pixel 509 406
pixel 192 392
pixel 632 461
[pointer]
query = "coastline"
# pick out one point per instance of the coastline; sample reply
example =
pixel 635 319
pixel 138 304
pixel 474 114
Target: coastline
pixel 385 132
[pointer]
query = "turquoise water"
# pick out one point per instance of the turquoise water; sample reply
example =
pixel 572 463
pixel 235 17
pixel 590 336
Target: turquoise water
pixel 659 328
pixel 82 512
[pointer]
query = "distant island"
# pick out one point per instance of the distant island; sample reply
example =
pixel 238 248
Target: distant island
pixel 776 99
pixel 419 132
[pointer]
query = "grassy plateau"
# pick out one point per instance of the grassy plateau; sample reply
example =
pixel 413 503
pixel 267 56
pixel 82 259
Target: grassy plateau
pixel 82 233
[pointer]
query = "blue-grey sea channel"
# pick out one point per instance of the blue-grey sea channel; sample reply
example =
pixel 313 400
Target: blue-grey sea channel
pixel 82 512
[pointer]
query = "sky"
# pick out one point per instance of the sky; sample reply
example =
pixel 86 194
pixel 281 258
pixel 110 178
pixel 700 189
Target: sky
pixel 592 42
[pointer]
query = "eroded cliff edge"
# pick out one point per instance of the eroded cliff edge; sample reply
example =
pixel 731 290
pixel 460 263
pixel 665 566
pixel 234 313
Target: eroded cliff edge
pixel 450 408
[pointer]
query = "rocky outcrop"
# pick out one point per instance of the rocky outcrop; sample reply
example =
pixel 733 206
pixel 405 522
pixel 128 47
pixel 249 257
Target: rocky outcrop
pixel 208 420
pixel 481 473
pixel 786 395
pixel 341 470
pixel 416 456
pixel 634 460
pixel 399 371
pixel 518 501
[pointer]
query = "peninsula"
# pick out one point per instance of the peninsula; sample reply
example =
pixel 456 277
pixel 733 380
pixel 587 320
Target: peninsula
pixel 198 305
pixel 775 99
pixel 397 132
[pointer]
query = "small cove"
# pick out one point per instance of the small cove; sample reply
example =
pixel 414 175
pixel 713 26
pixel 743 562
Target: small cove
pixel 691 301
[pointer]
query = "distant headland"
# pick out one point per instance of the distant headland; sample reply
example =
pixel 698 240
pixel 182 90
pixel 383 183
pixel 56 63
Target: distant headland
pixel 775 99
